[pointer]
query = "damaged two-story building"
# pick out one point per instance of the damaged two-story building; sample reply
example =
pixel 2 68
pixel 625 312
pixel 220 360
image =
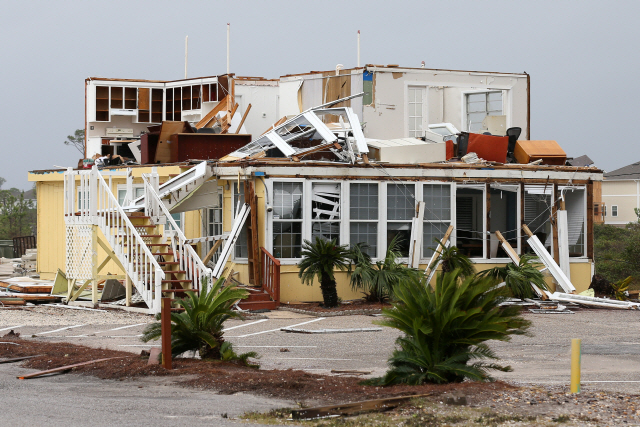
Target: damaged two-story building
pixel 235 173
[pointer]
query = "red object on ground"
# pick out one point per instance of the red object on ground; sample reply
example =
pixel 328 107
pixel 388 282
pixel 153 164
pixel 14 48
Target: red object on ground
pixel 489 147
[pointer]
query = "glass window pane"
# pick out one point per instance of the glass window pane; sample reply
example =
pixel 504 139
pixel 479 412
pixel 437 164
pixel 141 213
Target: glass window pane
pixel 287 200
pixel 121 195
pixel 364 201
pixel 437 202
pixel 326 231
pixel 401 203
pixel 287 239
pixel 431 231
pixel 325 201
pixel 365 232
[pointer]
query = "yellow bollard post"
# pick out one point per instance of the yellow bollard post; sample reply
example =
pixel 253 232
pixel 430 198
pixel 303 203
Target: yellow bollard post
pixel 576 356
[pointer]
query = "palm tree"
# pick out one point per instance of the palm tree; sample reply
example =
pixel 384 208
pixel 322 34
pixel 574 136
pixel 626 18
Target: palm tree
pixel 319 260
pixel 445 329
pixel 199 326
pixel 377 280
pixel 518 278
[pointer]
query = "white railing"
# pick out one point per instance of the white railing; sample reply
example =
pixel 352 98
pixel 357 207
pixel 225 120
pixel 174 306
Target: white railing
pixel 188 259
pixel 97 205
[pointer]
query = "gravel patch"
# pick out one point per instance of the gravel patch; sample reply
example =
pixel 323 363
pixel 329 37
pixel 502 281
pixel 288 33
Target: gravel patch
pixel 53 316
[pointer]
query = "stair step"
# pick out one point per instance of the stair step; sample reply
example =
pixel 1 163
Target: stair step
pixel 162 253
pixel 258 305
pixel 137 215
pixel 179 290
pixel 141 235
pixel 258 297
pixel 168 263
pixel 150 244
pixel 175 271
pixel 177 281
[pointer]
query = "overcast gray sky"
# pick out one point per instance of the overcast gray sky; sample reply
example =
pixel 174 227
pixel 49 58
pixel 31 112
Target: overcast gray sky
pixel 582 57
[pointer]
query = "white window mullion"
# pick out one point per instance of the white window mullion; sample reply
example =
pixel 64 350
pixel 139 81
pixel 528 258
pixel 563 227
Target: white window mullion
pixel 382 216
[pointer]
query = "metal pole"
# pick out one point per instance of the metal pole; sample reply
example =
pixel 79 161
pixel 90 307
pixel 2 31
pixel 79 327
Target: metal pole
pixel 186 55
pixel 228 37
pixel 576 356
pixel 165 322
pixel 358 48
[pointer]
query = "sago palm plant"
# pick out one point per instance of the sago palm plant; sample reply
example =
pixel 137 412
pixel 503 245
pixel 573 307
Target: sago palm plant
pixel 377 280
pixel 518 278
pixel 319 260
pixel 199 326
pixel 445 329
pixel 452 259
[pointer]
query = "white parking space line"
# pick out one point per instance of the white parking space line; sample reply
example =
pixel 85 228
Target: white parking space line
pixel 58 330
pixel 139 345
pixel 12 327
pixel 121 327
pixel 275 330
pixel 308 358
pixel 246 324
pixel 275 346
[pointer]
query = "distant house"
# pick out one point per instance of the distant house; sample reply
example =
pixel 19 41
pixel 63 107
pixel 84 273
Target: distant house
pixel 621 194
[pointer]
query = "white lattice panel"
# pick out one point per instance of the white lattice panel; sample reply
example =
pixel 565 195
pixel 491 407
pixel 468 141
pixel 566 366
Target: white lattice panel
pixel 79 256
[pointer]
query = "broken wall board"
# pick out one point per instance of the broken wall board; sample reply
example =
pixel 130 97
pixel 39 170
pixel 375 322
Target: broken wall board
pixel 563 242
pixel 163 149
pixel 548 261
pixel 66 368
pixel 594 301
pixel 431 268
pixel 231 240
pixel 353 407
pixel 415 241
pixel 511 253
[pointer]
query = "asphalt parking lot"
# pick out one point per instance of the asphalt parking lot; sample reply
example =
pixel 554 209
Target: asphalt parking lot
pixel 610 342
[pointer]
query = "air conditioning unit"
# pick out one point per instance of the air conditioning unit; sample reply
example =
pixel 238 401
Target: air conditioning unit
pixel 119 132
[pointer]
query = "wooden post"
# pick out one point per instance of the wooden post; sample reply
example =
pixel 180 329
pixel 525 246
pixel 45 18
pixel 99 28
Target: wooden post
pixel 554 224
pixel 487 236
pixel 165 322
pixel 94 263
pixel 128 290
pixel 521 219
pixel 589 239
pixel 253 250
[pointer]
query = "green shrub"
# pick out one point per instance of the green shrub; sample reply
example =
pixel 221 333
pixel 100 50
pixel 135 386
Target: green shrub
pixel 199 326
pixel 518 278
pixel 445 330
pixel 377 280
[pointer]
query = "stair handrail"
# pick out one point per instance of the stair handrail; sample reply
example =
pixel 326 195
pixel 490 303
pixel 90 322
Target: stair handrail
pixel 101 208
pixel 270 275
pixel 185 254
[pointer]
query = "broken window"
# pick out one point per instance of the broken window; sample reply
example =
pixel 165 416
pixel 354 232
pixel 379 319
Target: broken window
pixel 363 211
pixel 575 204
pixel 287 219
pixel 325 211
pixel 213 226
pixel 415 108
pixel 470 221
pixel 401 208
pixel 481 105
pixel 437 215
pixel 537 213
pixel 241 249
pixel 503 217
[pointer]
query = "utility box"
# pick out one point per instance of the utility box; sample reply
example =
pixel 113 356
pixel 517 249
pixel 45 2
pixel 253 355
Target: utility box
pixel 406 150
pixel 548 151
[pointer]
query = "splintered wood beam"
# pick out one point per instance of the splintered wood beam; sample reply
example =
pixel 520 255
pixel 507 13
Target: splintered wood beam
pixel 226 122
pixel 353 408
pixel 243 119
pixel 211 115
pixel 527 230
pixel 314 149
pixel 18 359
pixel 436 254
pixel 212 251
pixel 67 368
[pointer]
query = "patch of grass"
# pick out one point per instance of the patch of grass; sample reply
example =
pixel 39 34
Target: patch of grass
pixel 275 416
pixel 561 419
pixel 495 419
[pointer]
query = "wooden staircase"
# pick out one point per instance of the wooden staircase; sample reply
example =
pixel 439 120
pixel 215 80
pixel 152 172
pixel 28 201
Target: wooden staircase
pixel 175 281
pixel 258 299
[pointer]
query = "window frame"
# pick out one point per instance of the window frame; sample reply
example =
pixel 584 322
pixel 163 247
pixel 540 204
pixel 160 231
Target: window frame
pixel 308 207
pixel 452 213
pixel 424 116
pixel 270 221
pixel 506 104
pixel 206 246
pixel 614 211
pixel 380 237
